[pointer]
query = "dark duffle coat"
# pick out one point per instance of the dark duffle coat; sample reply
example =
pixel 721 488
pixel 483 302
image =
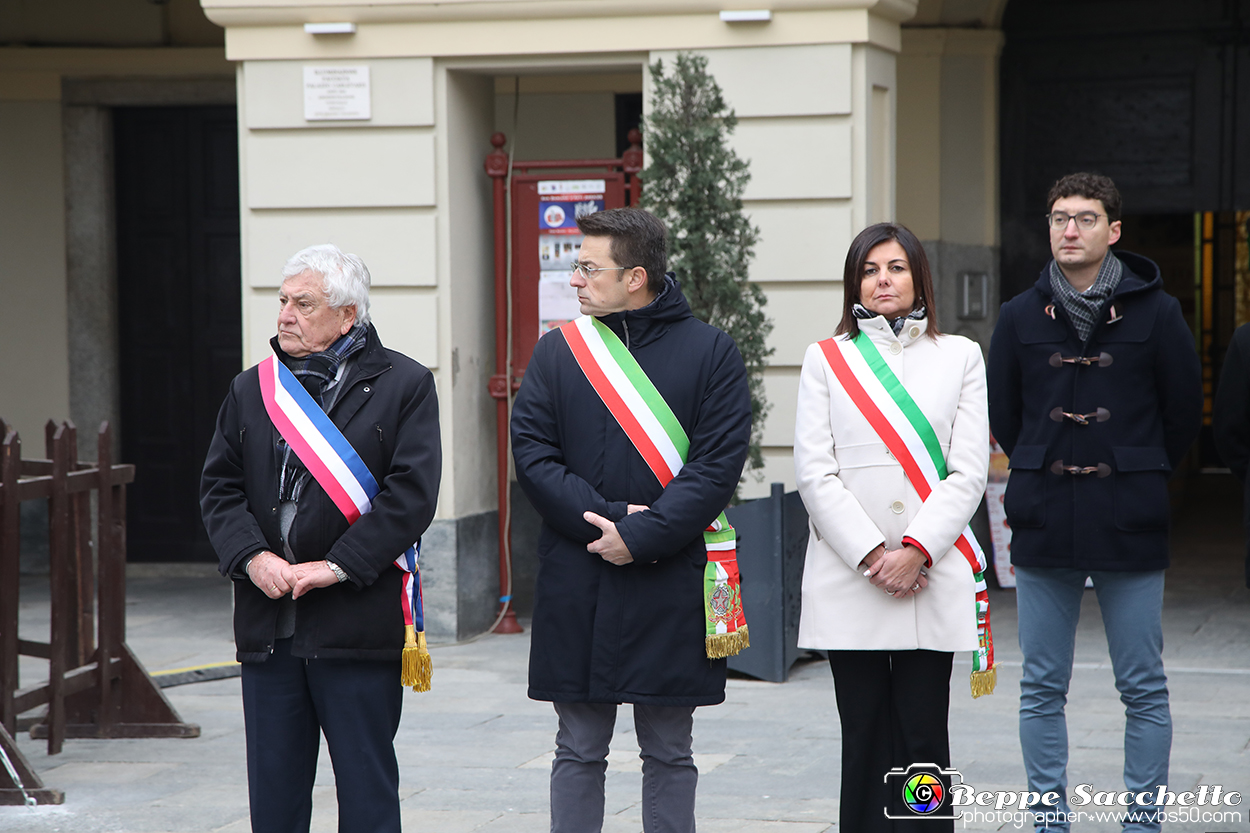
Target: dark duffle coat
pixel 1149 382
pixel 388 411
pixel 635 633
pixel 1231 420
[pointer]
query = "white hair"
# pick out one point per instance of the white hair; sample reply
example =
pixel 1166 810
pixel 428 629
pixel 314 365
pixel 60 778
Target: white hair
pixel 345 276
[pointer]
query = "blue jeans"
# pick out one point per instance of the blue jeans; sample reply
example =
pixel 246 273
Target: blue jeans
pixel 669 776
pixel 1049 603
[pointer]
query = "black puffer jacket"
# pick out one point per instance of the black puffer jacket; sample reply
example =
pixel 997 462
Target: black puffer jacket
pixel 1150 384
pixel 631 634
pixel 389 413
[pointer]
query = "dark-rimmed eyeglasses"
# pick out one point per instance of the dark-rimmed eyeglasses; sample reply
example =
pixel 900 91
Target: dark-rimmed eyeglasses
pixel 1085 220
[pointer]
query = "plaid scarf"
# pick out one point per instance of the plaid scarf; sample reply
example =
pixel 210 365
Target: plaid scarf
pixel 896 324
pixel 316 372
pixel 1083 307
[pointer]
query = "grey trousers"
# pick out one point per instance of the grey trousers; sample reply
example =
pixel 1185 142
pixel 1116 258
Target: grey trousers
pixel 669 776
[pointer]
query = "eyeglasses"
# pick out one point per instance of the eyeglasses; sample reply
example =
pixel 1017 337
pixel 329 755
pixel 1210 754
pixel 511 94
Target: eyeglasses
pixel 585 271
pixel 1085 220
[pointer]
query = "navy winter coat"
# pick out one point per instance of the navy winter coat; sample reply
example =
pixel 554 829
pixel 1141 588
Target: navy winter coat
pixel 1147 378
pixel 635 633
pixel 388 411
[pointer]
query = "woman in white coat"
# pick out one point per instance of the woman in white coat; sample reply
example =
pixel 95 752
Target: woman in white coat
pixel 889 588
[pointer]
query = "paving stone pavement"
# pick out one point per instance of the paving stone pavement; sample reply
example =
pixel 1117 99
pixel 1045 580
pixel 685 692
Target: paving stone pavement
pixel 474 753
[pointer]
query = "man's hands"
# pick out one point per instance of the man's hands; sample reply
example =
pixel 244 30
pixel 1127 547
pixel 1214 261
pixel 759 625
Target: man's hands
pixel 610 547
pixel 272 574
pixel 276 577
pixel 897 572
pixel 310 575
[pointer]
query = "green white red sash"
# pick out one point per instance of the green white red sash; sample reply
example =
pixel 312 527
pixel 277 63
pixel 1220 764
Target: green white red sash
pixel 655 431
pixel 909 436
pixel 347 481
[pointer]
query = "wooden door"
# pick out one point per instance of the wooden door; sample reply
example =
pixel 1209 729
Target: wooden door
pixel 179 312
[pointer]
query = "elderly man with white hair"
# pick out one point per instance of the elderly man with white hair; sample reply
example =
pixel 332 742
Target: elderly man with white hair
pixel 321 477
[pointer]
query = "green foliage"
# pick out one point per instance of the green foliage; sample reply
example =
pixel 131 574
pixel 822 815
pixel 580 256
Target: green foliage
pixel 694 183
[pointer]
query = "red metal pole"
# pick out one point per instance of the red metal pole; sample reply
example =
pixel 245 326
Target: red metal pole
pixel 497 169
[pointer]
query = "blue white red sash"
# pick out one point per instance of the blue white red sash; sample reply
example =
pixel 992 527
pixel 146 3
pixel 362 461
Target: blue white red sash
pixel 347 481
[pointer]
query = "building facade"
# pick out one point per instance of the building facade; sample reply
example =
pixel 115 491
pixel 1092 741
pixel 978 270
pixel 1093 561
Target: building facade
pixel 159 162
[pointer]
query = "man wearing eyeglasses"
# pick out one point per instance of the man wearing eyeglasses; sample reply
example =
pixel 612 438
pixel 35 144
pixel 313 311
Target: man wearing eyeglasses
pixel 1095 394
pixel 619 611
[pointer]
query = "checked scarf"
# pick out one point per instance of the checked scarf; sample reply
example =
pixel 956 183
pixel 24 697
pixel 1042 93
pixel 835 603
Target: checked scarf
pixel 896 324
pixel 1083 307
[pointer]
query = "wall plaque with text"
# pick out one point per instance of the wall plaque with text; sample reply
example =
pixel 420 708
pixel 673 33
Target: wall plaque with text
pixel 336 93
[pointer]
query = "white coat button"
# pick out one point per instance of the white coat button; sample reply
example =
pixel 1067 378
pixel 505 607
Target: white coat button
pixel 897 507
pixel 914 332
pixel 896 348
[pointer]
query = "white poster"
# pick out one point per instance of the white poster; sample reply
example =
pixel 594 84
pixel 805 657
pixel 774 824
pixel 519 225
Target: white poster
pixel 1000 530
pixel 336 93
pixel 560 203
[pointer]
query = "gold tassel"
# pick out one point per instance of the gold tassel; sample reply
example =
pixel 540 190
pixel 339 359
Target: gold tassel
pixel 417 667
pixel 983 682
pixel 722 645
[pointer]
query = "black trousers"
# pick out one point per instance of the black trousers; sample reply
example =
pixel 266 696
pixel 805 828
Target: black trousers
pixel 894 708
pixel 287 703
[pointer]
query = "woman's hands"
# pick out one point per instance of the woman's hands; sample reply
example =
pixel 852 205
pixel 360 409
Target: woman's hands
pixel 898 572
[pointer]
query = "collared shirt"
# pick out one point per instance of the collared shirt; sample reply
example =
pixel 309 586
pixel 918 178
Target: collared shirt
pixel 1083 307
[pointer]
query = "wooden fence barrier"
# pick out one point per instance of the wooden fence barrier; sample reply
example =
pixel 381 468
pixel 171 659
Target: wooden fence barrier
pixel 96 686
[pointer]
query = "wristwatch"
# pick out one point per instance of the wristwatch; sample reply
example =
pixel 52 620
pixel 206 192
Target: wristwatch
pixel 338 571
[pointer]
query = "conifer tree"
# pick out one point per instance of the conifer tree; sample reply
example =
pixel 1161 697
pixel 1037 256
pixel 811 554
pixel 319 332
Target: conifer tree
pixel 694 182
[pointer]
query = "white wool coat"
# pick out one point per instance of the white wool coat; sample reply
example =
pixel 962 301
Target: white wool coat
pixel 857 496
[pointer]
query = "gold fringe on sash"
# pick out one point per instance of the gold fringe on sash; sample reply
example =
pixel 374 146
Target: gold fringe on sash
pixel 983 682
pixel 417 668
pixel 722 645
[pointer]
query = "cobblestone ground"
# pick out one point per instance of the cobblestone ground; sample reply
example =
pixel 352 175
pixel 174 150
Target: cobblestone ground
pixel 475 752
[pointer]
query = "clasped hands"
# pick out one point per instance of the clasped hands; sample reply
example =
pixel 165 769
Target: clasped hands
pixel 276 576
pixel 898 572
pixel 610 546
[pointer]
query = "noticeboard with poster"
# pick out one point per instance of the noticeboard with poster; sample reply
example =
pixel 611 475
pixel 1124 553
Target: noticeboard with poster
pixel 560 203
pixel 546 242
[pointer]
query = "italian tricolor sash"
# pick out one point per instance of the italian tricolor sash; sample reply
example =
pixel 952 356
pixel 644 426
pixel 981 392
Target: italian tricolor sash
pixel 338 469
pixel 909 436
pixel 654 430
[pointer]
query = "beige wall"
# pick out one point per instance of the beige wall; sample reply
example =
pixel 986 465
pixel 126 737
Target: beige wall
pixel 561 116
pixel 816 123
pixel 948 135
pixel 467 115
pixel 814 90
pixel 34 341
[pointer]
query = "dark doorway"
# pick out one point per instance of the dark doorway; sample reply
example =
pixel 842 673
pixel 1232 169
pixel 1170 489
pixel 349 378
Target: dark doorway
pixel 1156 95
pixel 180 328
pixel 628 116
pixel 1153 93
